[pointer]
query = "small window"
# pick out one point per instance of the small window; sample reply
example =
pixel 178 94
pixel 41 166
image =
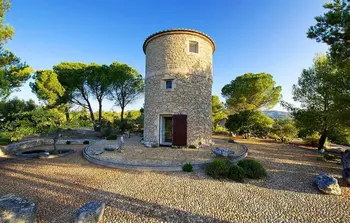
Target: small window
pixel 193 47
pixel 168 84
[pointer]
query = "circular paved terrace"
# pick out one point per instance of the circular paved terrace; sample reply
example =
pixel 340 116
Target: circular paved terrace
pixel 137 156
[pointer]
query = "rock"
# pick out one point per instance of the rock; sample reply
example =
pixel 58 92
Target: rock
pixel 147 144
pixel 97 151
pixel 91 212
pixel 110 148
pixel 327 184
pixel 345 162
pixel 15 209
pixel 222 152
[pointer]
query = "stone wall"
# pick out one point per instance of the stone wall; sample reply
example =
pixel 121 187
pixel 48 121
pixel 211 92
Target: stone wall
pixel 168 57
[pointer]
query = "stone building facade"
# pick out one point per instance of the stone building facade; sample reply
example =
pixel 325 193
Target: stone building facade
pixel 178 83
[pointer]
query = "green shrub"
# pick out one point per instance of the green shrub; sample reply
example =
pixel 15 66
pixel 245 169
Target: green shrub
pixel 217 168
pixel 5 138
pixel 313 140
pixel 253 169
pixel 111 137
pixel 192 147
pixel 329 156
pixel 106 131
pixel 187 167
pixel 236 173
pixel 86 142
pixel 321 159
pixel 68 142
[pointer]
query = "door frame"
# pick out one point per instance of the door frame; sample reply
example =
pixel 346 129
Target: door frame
pixel 161 142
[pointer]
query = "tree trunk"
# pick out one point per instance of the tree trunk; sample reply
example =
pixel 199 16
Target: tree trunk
pixel 67 113
pixel 55 139
pixel 99 115
pixel 122 119
pixel 322 140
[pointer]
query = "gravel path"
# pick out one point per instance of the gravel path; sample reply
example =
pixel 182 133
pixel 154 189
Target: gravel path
pixel 59 186
pixel 136 153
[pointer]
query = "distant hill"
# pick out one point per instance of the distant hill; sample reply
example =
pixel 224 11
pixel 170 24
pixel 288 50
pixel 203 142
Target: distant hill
pixel 277 114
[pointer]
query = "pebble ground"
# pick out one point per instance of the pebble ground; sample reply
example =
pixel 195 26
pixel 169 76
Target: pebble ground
pixel 60 186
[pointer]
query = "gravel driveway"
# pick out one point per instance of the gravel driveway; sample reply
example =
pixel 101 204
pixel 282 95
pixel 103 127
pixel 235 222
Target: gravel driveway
pixel 59 186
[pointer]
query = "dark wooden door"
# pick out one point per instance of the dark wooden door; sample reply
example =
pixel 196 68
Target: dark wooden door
pixel 179 130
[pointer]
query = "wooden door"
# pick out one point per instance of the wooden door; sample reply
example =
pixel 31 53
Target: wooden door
pixel 179 130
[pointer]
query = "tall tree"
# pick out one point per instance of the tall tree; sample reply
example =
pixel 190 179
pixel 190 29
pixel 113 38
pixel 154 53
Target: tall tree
pixel 218 111
pixel 333 28
pixel 73 77
pixel 315 92
pixel 126 87
pixel 13 72
pixel 251 92
pixel 98 81
pixel 249 122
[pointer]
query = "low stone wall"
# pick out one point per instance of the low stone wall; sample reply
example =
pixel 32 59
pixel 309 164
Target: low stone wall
pixel 14 148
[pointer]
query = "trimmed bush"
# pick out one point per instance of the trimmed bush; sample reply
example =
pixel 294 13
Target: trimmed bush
pixel 321 159
pixel 329 156
pixel 253 169
pixel 236 173
pixel 217 168
pixel 86 142
pixel 187 167
pixel 192 147
pixel 68 142
pixel 111 137
pixel 105 132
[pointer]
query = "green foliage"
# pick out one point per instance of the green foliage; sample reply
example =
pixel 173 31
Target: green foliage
pixel 11 110
pixel 313 139
pixel 253 169
pixel 217 169
pixel 218 112
pixel 13 72
pixel 68 142
pixel 333 28
pixel 86 142
pixel 316 92
pixel 126 87
pixel 192 147
pixel 111 137
pixel 329 156
pixel 251 92
pixel 249 122
pixel 187 167
pixel 5 138
pixel 320 159
pixel 236 173
pixel 284 130
pixel 106 131
pixel 47 87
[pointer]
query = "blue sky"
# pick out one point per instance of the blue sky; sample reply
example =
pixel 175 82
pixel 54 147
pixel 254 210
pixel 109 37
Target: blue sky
pixel 250 36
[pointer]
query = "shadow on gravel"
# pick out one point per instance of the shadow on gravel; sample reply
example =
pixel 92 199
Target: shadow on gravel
pixel 45 191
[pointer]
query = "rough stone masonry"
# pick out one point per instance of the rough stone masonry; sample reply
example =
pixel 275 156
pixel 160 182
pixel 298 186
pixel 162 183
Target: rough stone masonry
pixel 168 57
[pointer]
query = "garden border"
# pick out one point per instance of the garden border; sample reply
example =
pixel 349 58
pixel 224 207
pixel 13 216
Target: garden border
pixel 178 167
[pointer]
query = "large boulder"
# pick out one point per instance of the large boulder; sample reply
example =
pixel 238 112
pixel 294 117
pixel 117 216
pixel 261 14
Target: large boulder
pixel 223 152
pixel 15 209
pixel 327 184
pixel 91 212
pixel 345 162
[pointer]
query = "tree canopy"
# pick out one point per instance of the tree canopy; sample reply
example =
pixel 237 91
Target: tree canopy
pixel 333 28
pixel 251 92
pixel 13 72
pixel 218 111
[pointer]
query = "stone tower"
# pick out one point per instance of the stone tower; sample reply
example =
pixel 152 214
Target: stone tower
pixel 178 86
